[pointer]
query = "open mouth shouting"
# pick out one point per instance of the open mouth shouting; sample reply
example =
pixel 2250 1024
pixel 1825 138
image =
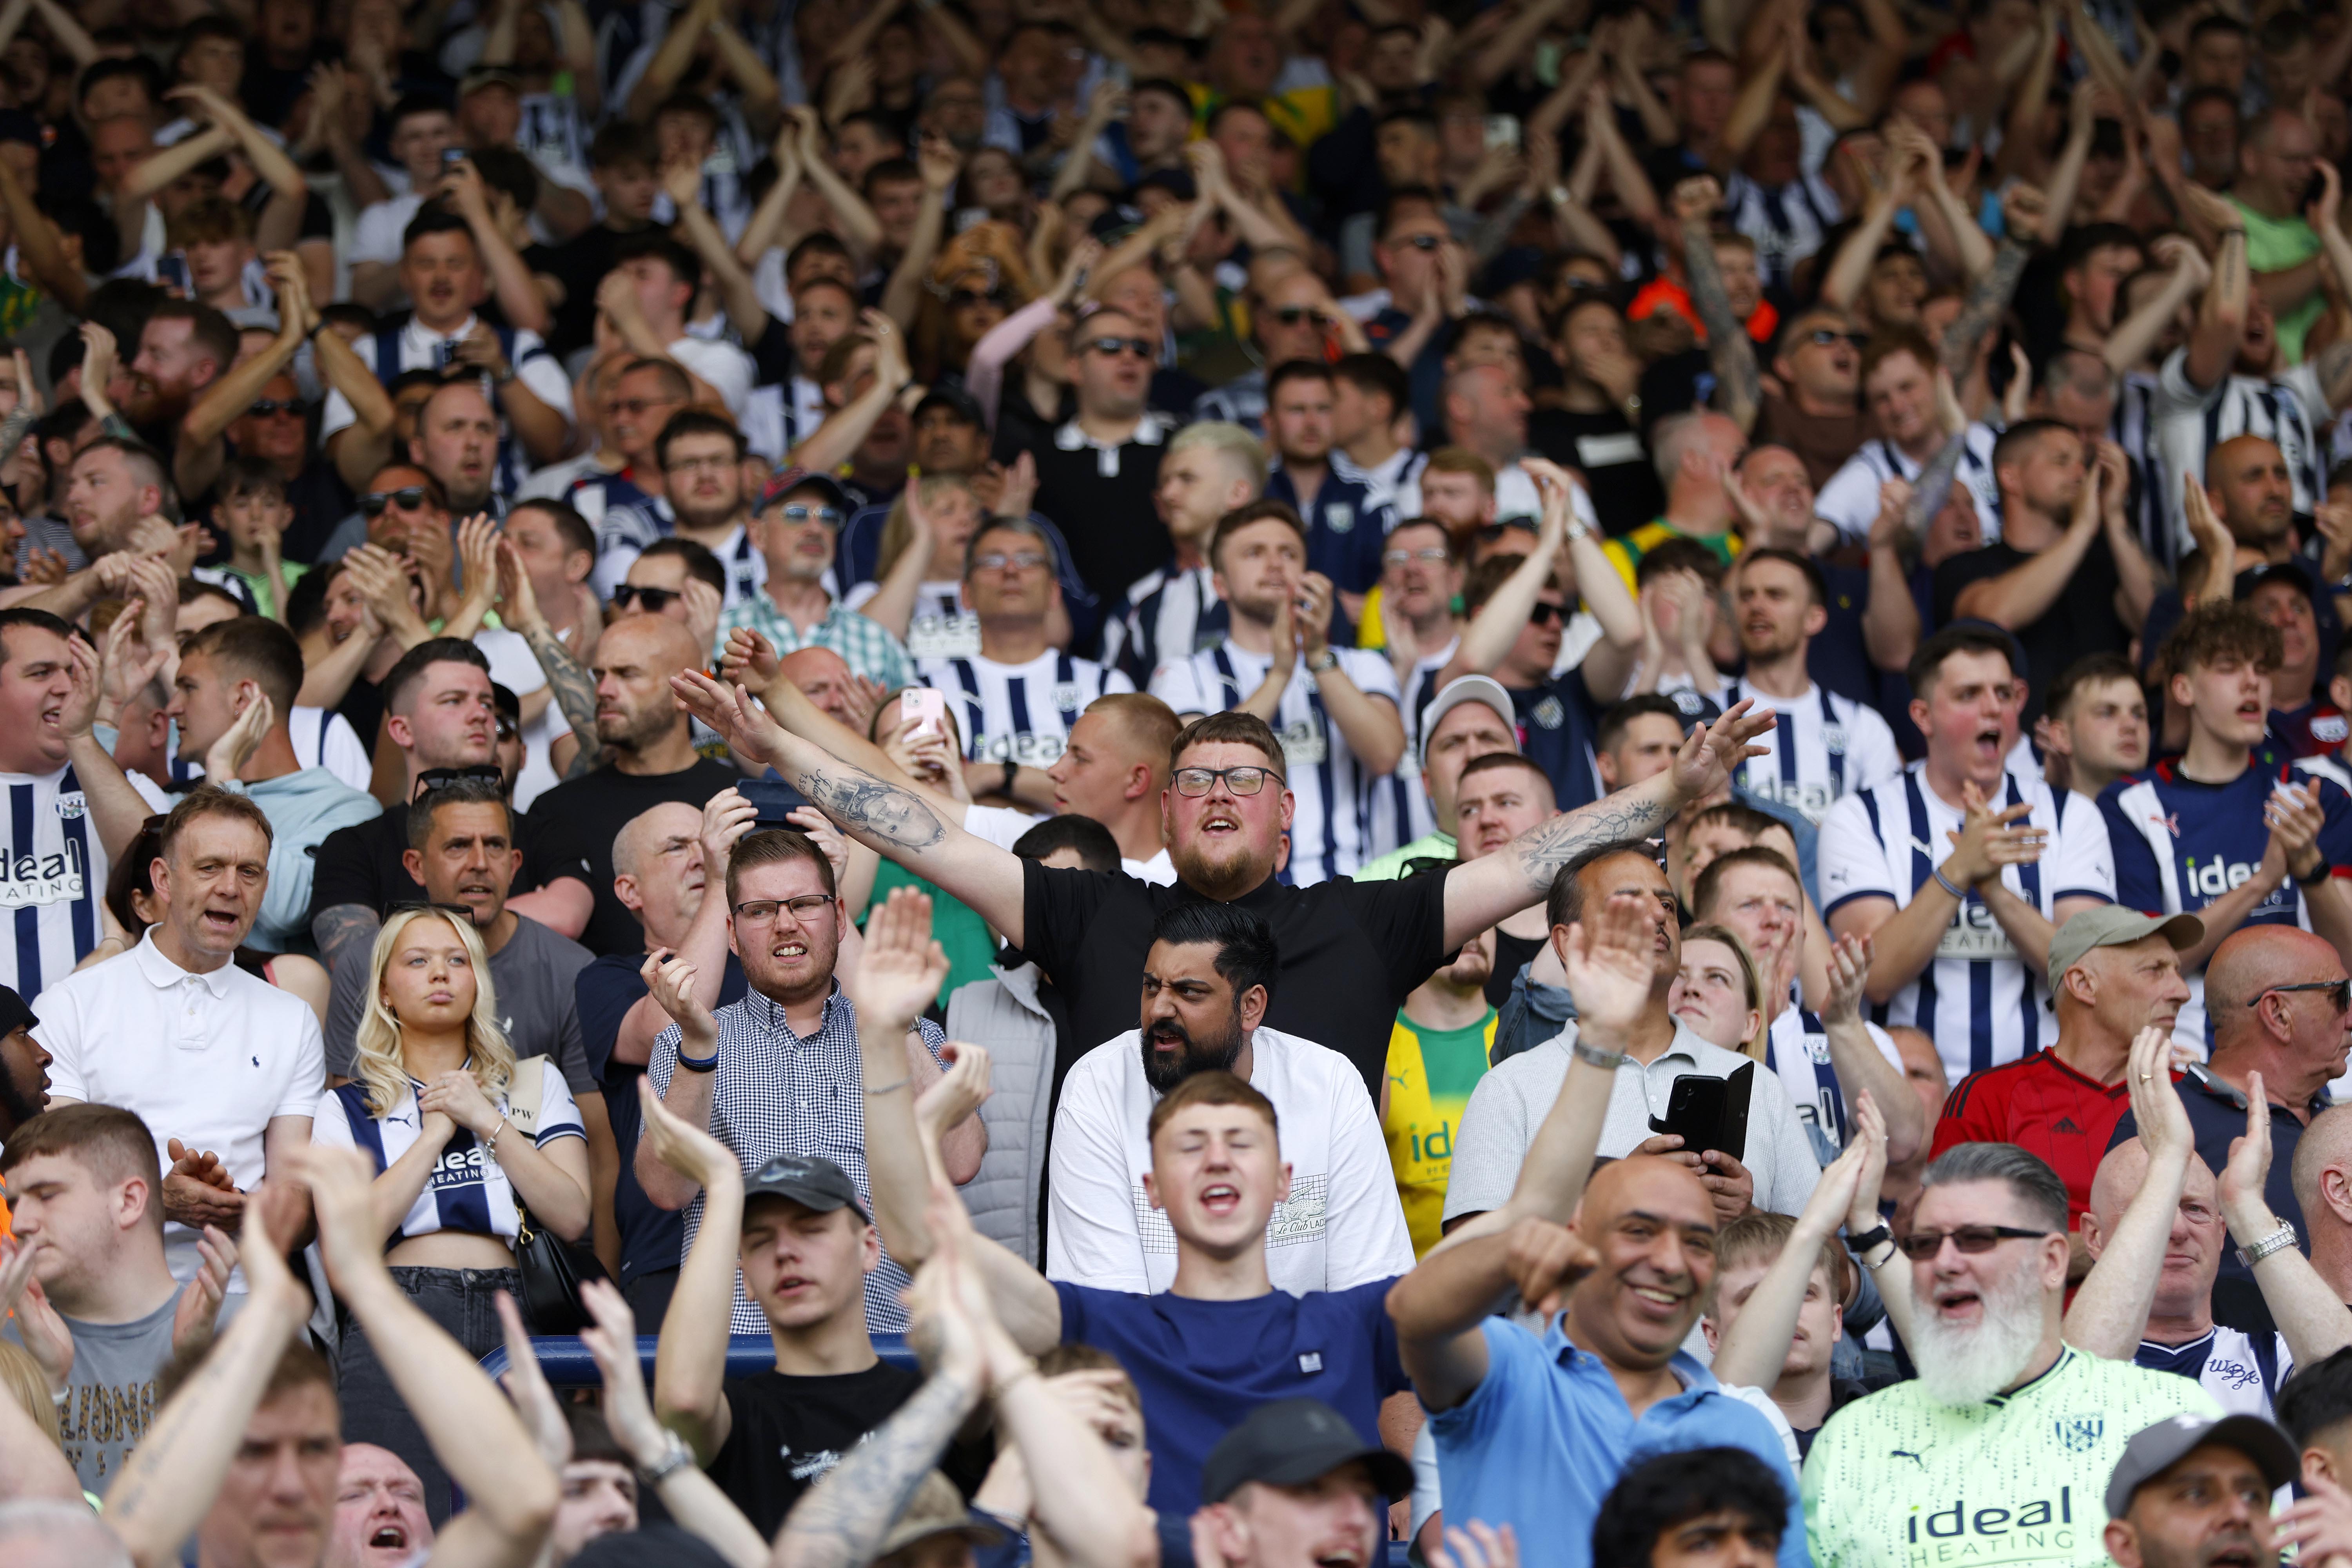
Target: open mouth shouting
pixel 390 1537
pixel 1219 822
pixel 1984 746
pixel 1350 1556
pixel 1957 1304
pixel 1220 1200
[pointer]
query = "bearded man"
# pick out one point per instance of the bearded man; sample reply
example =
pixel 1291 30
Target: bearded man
pixel 1208 979
pixel 2003 1412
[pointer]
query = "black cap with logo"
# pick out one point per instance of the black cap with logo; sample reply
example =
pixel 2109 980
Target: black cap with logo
pixel 1291 1442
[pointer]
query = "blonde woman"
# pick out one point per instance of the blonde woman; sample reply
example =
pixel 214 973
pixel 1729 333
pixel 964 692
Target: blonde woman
pixel 1716 993
pixel 462 1137
pixel 916 594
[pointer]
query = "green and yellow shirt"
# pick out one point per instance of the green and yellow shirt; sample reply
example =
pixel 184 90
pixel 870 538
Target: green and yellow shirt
pixel 1430 1073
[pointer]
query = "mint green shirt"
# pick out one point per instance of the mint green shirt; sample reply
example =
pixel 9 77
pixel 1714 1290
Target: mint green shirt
pixel 2274 244
pixel 1898 1479
pixel 1388 868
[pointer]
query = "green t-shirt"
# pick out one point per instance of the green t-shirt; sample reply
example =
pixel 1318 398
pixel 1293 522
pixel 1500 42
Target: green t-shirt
pixel 2274 244
pixel 969 947
pixel 258 586
pixel 1388 868
pixel 1898 1479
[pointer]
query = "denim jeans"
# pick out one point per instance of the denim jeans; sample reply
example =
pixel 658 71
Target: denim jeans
pixel 464 1303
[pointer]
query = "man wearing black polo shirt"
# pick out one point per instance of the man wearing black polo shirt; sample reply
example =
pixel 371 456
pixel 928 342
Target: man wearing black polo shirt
pixel 1351 952
pixel 646 733
pixel 2280 1004
pixel 1105 463
pixel 443 717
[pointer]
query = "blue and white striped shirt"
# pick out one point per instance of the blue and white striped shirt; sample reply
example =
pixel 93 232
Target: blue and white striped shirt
pixel 1019 713
pixel 52 879
pixel 468 1190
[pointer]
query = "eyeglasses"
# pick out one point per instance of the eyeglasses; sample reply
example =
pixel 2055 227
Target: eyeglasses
pixel 1291 315
pixel 1972 1239
pixel 1824 337
pixel 1194 783
pixel 800 512
pixel 1544 615
pixel 2339 992
pixel 1111 347
pixel 432 779
pixel 408 497
pixel 628 595
pixel 1419 241
pixel 1433 554
pixel 761 912
pixel 1019 561
pixel 293 408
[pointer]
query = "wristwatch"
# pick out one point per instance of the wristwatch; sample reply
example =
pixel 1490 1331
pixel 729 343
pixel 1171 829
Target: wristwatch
pixel 1328 659
pixel 2318 876
pixel 1012 772
pixel 674 1456
pixel 2278 1240
pixel 1863 1246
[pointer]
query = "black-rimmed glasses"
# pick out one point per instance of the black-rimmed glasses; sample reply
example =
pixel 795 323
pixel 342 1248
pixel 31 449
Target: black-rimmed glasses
pixel 1971 1240
pixel 1194 783
pixel 2340 1000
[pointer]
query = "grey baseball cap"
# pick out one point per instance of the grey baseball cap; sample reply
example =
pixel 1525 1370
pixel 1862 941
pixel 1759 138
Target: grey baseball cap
pixel 1483 689
pixel 2157 1448
pixel 809 1181
pixel 2112 925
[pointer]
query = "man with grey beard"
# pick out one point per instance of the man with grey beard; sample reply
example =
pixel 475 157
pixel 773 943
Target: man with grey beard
pixel 1208 979
pixel 2003 1445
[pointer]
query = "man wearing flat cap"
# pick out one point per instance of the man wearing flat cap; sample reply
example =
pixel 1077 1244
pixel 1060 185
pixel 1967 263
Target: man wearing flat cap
pixel 2113 973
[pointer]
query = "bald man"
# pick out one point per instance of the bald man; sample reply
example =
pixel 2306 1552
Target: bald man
pixel 1113 769
pixel 2278 998
pixel 2322 1173
pixel 663 860
pixel 2242 1371
pixel 826 679
pixel 650 758
pixel 379 1519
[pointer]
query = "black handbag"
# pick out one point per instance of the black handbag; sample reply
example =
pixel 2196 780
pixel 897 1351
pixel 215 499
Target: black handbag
pixel 550 1268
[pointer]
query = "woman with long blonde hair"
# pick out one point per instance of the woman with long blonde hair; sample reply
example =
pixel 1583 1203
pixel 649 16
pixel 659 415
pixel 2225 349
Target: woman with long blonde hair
pixel 1716 990
pixel 463 1139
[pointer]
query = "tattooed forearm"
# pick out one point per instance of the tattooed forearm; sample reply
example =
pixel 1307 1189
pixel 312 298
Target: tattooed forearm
pixel 345 928
pixel 1934 488
pixel 877 814
pixel 1983 307
pixel 841 1521
pixel 1733 356
pixel 575 693
pixel 1628 816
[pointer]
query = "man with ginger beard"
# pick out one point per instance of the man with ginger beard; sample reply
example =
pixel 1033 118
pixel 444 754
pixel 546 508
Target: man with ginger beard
pixel 1534 1420
pixel 2003 1412
pixel 1206 982
pixel 380 1519
pixel 184 348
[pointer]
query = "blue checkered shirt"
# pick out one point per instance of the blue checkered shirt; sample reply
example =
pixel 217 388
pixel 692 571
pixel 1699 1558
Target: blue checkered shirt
pixel 780 1094
pixel 867 646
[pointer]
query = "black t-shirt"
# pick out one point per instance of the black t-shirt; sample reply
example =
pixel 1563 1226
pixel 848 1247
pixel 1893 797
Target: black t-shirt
pixel 362 709
pixel 651 1239
pixel 1511 953
pixel 1609 452
pixel 321 501
pixel 573 826
pixel 579 264
pixel 787 1433
pixel 2080 622
pixel 1351 951
pixel 362 865
pixel 1075 493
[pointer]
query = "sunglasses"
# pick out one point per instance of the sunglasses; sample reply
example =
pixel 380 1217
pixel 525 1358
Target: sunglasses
pixel 1544 615
pixel 1019 561
pixel 1433 554
pixel 1138 347
pixel 964 298
pixel 1291 315
pixel 1824 337
pixel 292 407
pixel 2337 991
pixel 1972 1239
pixel 432 779
pixel 1420 241
pixel 800 512
pixel 628 596
pixel 408 497
pixel 1194 783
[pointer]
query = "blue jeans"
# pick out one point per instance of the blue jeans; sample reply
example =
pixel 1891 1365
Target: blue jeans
pixel 463 1301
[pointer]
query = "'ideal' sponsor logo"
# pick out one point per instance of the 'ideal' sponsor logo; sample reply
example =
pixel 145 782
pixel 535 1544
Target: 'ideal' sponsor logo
pixel 2042 1524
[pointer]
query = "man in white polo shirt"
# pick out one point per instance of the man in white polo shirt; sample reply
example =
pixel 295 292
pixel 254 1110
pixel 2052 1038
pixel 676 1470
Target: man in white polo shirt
pixel 1206 983
pixel 223 1068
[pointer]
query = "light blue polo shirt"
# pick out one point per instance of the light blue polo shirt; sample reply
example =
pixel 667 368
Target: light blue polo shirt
pixel 1545 1435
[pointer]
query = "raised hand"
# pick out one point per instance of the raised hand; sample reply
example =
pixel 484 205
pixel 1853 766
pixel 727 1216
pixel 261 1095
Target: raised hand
pixel 477 550
pixel 1611 959
pixel 526 1385
pixel 97 363
pixel 903 968
pixel 227 755
pixel 1480 1545
pixel 199 1310
pixel 518 600
pixel 611 1340
pixel 1987 840
pixel 1868 1132
pixel 1709 757
pixel 670 980
pixel 1546 1261
pixel 1849 970
pixel 748 660
pixel 729 711
pixel 2295 819
pixel 957 1093
pixel 726 816
pixel 690 1151
pixel 2248 1169
pixel 2164 1128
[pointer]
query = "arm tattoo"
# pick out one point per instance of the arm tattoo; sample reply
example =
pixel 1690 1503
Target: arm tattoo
pixel 869 809
pixel 345 928
pixel 841 1520
pixel 2334 367
pixel 1985 303
pixel 1622 818
pixel 575 693
pixel 1934 487
pixel 1734 356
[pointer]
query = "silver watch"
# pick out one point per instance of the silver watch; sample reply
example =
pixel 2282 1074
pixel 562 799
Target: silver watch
pixel 674 1456
pixel 2278 1240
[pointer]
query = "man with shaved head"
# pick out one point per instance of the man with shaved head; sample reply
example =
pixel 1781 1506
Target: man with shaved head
pixel 2279 999
pixel 2322 1173
pixel 826 679
pixel 650 759
pixel 379 1519
pixel 1533 1427
pixel 663 860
